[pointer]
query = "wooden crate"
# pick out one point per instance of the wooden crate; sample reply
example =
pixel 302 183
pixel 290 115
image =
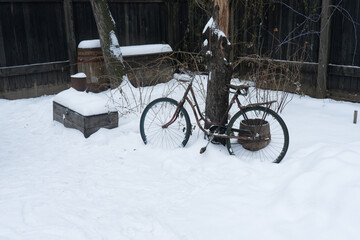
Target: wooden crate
pixel 86 124
pixel 148 69
pixel 143 67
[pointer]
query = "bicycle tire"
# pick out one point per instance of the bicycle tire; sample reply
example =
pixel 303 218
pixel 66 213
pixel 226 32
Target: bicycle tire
pixel 155 115
pixel 271 139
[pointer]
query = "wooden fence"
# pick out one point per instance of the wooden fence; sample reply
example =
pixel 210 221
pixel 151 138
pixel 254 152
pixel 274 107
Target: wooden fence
pixel 316 31
pixel 38 38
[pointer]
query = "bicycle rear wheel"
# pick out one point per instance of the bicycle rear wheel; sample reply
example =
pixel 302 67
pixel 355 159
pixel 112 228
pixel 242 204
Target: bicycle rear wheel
pixel 156 115
pixel 264 135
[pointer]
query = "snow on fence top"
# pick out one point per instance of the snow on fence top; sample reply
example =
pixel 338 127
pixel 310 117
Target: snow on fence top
pixel 130 50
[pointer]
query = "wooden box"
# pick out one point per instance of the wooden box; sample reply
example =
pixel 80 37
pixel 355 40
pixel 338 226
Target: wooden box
pixel 145 65
pixel 86 124
pixel 148 69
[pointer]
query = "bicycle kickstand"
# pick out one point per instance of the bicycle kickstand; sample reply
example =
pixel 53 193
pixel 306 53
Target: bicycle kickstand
pixel 203 149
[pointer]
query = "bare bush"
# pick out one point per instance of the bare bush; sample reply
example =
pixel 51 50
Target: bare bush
pixel 272 80
pixel 137 88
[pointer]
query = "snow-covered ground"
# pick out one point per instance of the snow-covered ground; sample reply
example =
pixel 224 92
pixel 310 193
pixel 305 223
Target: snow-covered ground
pixel 55 184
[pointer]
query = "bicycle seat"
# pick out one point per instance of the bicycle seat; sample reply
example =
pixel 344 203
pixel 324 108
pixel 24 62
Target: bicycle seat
pixel 239 87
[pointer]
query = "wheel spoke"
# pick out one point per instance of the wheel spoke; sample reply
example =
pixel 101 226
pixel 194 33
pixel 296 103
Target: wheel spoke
pixel 158 113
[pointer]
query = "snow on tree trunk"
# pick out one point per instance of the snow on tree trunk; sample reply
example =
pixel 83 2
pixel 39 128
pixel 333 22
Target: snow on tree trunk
pixel 108 41
pixel 217 48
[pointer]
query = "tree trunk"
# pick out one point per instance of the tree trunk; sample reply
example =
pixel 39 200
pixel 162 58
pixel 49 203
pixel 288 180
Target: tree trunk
pixel 108 41
pixel 223 16
pixel 218 50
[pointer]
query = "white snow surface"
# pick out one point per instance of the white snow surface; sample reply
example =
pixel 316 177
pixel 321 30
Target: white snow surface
pixel 210 24
pixel 86 104
pixel 79 75
pixel 94 43
pixel 115 48
pixel 215 30
pixel 145 49
pixel 55 184
pixel 129 50
pixel 205 43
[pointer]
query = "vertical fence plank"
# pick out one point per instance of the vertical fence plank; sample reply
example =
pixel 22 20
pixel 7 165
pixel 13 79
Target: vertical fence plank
pixel 324 49
pixel 2 49
pixel 70 34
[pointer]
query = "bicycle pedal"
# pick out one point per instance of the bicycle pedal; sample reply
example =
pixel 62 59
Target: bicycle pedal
pixel 218 129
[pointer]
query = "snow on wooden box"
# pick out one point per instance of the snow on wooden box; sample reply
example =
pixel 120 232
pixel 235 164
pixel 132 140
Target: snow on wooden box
pixel 86 112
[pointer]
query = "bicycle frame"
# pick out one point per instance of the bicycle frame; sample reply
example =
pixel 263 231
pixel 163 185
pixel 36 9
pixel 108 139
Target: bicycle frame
pixel 252 132
pixel 199 117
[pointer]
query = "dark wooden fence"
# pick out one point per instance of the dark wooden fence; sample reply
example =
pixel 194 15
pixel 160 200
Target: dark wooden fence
pixel 38 38
pixel 294 30
pixel 344 71
pixel 33 55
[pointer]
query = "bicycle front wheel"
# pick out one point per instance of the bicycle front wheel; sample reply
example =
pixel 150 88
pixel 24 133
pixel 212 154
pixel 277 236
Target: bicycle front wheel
pixel 158 113
pixel 262 135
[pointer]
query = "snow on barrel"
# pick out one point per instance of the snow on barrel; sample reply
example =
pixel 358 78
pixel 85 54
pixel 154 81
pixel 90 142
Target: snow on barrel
pixel 91 62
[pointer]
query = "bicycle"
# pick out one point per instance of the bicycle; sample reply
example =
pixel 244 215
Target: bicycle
pixel 255 131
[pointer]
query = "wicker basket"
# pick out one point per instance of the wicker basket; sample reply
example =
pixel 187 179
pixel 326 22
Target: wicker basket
pixel 258 128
